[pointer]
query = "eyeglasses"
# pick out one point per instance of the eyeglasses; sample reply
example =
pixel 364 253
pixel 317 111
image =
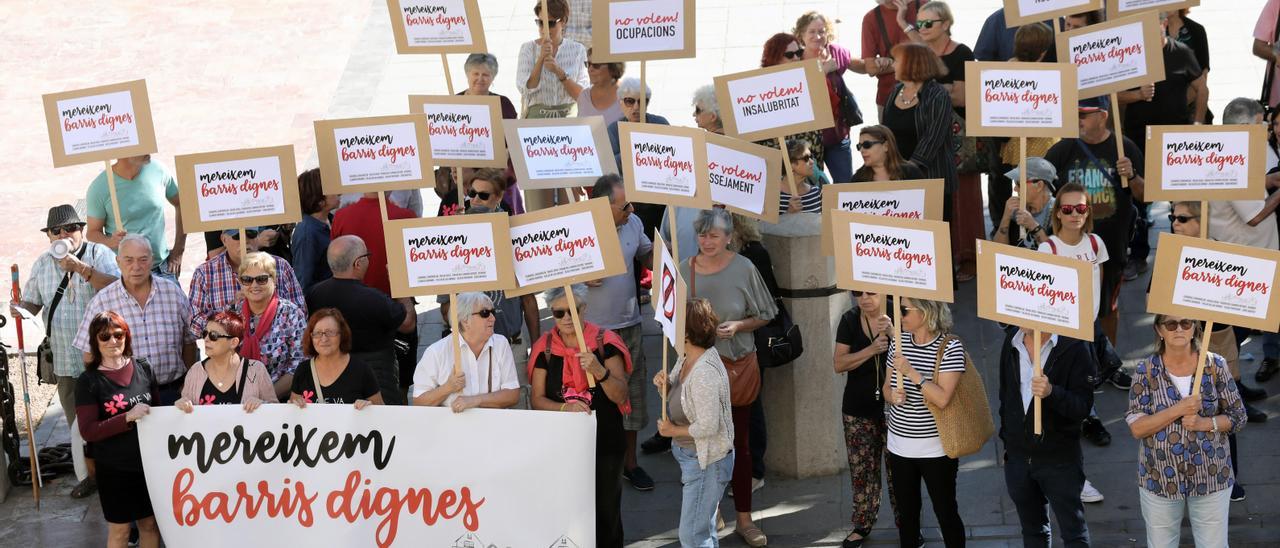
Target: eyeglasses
pixel 260 279
pixel 867 144
pixel 486 313
pixel 591 65
pixel 559 312
pixel 484 196
pixel 64 229
pixel 111 336
pixel 1184 219
pixel 251 234
pixel 550 24
pixel 1078 209
pixel 929 23
pixel 212 336
pixel 797 54
pixel 859 294
pixel 630 101
pixel 1174 325
pixel 324 334
pixel 626 206
pixel 357 259
pixel 697 111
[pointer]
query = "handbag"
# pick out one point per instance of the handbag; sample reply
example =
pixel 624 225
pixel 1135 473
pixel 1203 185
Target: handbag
pixel 850 113
pixel 780 342
pixel 970 152
pixel 965 424
pixel 744 372
pixel 44 352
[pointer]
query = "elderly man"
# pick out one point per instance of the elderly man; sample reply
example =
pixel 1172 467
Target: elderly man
pixel 61 283
pixel 142 188
pixel 215 284
pixel 373 316
pixel 156 311
pixel 612 303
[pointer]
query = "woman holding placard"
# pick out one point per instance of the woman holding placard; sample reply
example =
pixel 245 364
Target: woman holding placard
pixel 273 326
pixel 1184 464
pixel 785 48
pixel 700 425
pixel 742 301
pixel 558 370
pixel 553 69
pixel 915 449
pixel 881 159
pixel 817 33
pixel 226 377
pixel 809 181
pixel 601 97
pixel 332 375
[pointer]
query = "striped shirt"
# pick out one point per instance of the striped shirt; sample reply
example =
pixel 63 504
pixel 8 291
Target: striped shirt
pixel 158 327
pixel 810 202
pixel 912 430
pixel 572 58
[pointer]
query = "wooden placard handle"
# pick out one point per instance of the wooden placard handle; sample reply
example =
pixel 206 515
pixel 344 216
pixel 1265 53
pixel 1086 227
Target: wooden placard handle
pixel 115 201
pixel 577 327
pixel 1203 358
pixel 1036 372
pixel 897 337
pixel 786 162
pixel 1115 109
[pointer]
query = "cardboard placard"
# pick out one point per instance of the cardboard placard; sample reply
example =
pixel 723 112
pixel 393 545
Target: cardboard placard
pixel 564 245
pixel 1021 100
pixel 782 100
pixel 559 152
pixel 664 164
pixel 374 154
pixel 1120 8
pixel 238 188
pixel 919 199
pixel 439 255
pixel 1216 281
pixel 744 176
pixel 641 30
pixel 1115 55
pixel 437 26
pixel 1206 162
pixel 465 130
pixel 669 293
pixel 1021 12
pixel 903 257
pixel 1034 290
pixel 99 123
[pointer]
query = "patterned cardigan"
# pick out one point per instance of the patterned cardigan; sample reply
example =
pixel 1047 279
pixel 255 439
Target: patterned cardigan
pixel 704 396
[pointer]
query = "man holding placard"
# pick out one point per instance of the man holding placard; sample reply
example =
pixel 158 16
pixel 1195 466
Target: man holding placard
pixel 142 188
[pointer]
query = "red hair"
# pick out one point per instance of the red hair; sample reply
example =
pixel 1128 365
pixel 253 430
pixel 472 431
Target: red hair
pixel 230 322
pixel 102 322
pixel 917 62
pixel 774 47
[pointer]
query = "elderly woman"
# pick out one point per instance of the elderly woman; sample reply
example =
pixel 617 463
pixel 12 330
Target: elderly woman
pixel 481 69
pixel 601 97
pixel 273 326
pixel 629 104
pixel 487 374
pixel 881 159
pixel 1184 464
pixel 310 239
pixel 862 341
pixel 700 424
pixel 487 187
pixel 915 450
pixel 558 371
pixel 817 33
pixel 226 377
pixel 706 109
pixel 115 391
pixel 742 302
pixel 332 375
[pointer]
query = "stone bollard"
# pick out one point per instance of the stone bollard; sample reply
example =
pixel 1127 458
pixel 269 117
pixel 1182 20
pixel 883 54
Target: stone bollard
pixel 802 399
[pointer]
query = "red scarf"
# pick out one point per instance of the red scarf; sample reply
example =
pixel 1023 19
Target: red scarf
pixel 573 378
pixel 251 346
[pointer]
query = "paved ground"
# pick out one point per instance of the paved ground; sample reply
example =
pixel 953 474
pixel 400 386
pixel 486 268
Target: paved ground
pixel 230 75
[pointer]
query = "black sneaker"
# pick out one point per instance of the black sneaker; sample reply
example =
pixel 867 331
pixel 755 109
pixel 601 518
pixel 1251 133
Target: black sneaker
pixel 1095 432
pixel 1254 414
pixel 1249 393
pixel 1121 380
pixel 638 479
pixel 656 444
pixel 1237 493
pixel 1266 370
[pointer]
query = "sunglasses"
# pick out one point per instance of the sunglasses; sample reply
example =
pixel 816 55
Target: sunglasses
pixel 906 309
pixel 486 313
pixel 928 23
pixel 550 24
pixel 805 158
pixel 857 294
pixel 559 312
pixel 260 279
pixel 867 144
pixel 64 229
pixel 1078 209
pixel 630 101
pixel 212 336
pixel 797 54
pixel 1174 325
pixel 251 234
pixel 484 196
pixel 114 335
pixel 1184 219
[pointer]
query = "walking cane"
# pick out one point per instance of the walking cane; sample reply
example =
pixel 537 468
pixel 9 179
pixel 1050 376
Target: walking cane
pixel 36 480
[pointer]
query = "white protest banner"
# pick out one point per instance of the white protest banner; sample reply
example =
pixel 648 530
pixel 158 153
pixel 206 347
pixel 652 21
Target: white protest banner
pixel 1208 280
pixel 237 188
pixel 1021 100
pixel 564 245
pixel 904 257
pixel 1206 163
pixel 559 152
pixel 465 130
pixel 439 255
pixel 437 26
pixel 664 164
pixel 99 123
pixel 669 292
pixel 744 176
pixel 329 475
pixel 1115 55
pixel 374 154
pixel 1120 8
pixel 642 30
pixel 776 101
pixel 1021 12
pixel 919 199
pixel 1034 290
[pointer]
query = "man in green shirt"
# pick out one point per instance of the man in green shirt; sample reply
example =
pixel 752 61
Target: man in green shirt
pixel 142 188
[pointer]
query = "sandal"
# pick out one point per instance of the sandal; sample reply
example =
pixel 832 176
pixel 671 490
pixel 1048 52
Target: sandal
pixel 754 537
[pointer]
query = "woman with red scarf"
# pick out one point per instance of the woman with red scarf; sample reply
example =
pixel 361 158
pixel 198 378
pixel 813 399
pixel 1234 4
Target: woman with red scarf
pixel 272 326
pixel 558 370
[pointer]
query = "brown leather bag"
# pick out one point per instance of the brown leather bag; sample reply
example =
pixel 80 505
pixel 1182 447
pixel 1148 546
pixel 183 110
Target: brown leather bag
pixel 744 372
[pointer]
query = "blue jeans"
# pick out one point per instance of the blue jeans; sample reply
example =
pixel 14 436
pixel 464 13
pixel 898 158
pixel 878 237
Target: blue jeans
pixel 1164 518
pixel 839 161
pixel 701 496
pixel 1037 487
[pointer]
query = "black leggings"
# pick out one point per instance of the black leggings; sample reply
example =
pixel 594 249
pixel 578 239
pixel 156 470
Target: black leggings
pixel 939 475
pixel 609 501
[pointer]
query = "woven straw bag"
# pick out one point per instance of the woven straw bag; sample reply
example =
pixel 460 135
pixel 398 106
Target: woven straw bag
pixel 965 424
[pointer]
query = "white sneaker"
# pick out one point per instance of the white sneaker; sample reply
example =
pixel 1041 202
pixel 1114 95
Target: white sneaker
pixel 756 484
pixel 1089 493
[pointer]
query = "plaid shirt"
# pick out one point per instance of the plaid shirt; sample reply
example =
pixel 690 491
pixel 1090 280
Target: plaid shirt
pixel 42 286
pixel 214 285
pixel 158 327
